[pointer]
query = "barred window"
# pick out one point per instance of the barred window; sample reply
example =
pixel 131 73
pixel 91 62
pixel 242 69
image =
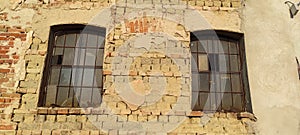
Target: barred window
pixel 73 69
pixel 219 76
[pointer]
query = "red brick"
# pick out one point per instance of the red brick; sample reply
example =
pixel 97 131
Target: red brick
pixel 3 38
pixel 16 56
pixel 4 56
pixel 6 127
pixel 3 51
pixel 2 100
pixel 62 111
pixel 2 80
pixel 4 70
pixel 11 95
pixel 4 106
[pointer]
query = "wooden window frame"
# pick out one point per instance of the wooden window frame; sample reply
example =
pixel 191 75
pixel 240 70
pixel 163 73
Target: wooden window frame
pixel 198 36
pixel 63 30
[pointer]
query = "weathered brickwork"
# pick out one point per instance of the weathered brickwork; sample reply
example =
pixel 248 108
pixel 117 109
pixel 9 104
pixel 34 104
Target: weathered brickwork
pixel 146 51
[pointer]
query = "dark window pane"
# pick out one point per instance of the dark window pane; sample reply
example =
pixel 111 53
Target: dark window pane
pixel 234 63
pixel 88 75
pixel 213 62
pixel 195 101
pixel 210 46
pixel 76 76
pixel 55 72
pixel 96 98
pixel 215 47
pixel 236 82
pixel 58 51
pixel 225 83
pixel 237 102
pixel 62 96
pixel 90 57
pixel 203 62
pixel 202 47
pixel 79 56
pixel 77 95
pixel 82 41
pixel 99 60
pixel 213 104
pixel 224 63
pixel 227 102
pixel 194 46
pixel 92 40
pixel 101 41
pixel 70 39
pixel 60 40
pixel 86 96
pixel 218 46
pixel 219 101
pixel 233 48
pixel 65 76
pixel 224 47
pixel 204 101
pixel 68 56
pixel 51 95
pixel 194 61
pixel 98 78
pixel 195 85
pixel 204 81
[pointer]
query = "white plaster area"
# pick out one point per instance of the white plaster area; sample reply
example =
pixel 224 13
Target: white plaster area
pixel 272 43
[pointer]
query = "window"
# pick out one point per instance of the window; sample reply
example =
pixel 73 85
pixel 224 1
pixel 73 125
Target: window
pixel 73 68
pixel 219 76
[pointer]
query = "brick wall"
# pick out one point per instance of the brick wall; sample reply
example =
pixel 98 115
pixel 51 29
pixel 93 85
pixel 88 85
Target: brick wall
pixel 127 62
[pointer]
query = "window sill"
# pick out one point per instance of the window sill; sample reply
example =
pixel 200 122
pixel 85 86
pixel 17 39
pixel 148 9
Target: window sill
pixel 68 111
pixel 235 115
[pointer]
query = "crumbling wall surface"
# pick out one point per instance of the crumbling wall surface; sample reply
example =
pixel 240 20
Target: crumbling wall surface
pixel 146 52
pixel 272 45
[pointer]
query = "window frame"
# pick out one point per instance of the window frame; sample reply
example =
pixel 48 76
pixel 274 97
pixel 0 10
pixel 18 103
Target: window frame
pixel 65 29
pixel 238 37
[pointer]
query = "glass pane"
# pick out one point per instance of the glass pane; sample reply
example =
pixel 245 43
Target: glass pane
pixel 203 62
pixel 99 61
pixel 217 83
pixel 101 41
pixel 195 102
pixel 225 83
pixel 77 93
pixel 96 98
pixel 213 62
pixel 204 101
pixel 65 76
pixel 224 63
pixel 224 47
pixel 92 40
pixel 213 100
pixel 51 95
pixel 218 46
pixel 234 63
pixel 194 61
pixel 90 57
pixel 210 46
pixel 233 48
pixel 88 76
pixel 79 56
pixel 236 82
pixel 86 96
pixel 204 81
pixel 202 46
pixel 219 101
pixel 70 39
pixel 195 85
pixel 81 42
pixel 77 76
pixel 68 56
pixel 98 78
pixel 227 102
pixel 215 48
pixel 58 51
pixel 62 96
pixel 55 72
pixel 60 40
pixel 237 102
pixel 194 46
